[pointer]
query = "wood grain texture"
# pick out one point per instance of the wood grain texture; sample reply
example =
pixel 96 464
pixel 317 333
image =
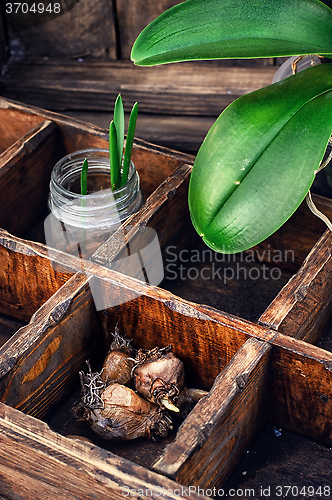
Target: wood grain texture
pixel 3 43
pixel 190 88
pixel 183 133
pixel 25 171
pixel 211 335
pixel 204 338
pixel 46 465
pixel 52 354
pixel 152 215
pixel 69 323
pixel 154 163
pixel 300 398
pixel 134 16
pixel 303 306
pixel 28 277
pixel 194 274
pixel 214 436
pixel 86 29
pixel 39 363
pixel 14 124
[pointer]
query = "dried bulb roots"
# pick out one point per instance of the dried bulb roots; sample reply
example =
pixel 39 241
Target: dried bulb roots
pixel 159 377
pixel 119 361
pixel 115 411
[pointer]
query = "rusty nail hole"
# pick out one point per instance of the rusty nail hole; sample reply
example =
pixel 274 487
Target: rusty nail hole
pixel 241 380
pixel 323 398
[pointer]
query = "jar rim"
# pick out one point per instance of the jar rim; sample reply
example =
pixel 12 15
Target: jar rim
pixel 99 206
pixel 89 153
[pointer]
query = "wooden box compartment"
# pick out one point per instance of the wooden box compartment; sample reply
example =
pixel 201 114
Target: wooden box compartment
pixel 262 373
pixel 283 283
pixel 255 368
pixel 32 141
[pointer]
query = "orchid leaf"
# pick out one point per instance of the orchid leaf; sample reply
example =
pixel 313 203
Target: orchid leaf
pixel 259 159
pixel 219 29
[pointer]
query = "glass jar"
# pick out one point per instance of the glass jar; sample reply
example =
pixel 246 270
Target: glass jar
pixel 285 70
pixel 80 224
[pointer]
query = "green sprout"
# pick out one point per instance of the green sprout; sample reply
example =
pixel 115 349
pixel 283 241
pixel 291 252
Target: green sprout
pixel 120 156
pixel 84 177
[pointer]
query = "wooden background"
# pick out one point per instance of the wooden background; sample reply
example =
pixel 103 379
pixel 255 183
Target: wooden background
pixel 104 29
pixel 78 62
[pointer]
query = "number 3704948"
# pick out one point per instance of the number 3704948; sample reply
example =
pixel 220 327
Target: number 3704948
pixel 35 8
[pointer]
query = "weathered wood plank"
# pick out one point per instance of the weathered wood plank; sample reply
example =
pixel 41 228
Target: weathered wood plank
pixel 52 355
pixel 25 170
pixel 191 88
pixel 76 32
pixel 154 163
pixel 14 124
pixel 152 214
pixel 68 323
pixel 300 397
pixel 183 133
pixel 27 276
pixel 214 436
pixel 300 381
pixel 227 282
pixel 211 335
pixel 27 347
pixel 39 363
pixel 303 306
pixel 204 338
pixel 46 465
pixel 23 297
pixel 3 44
pixel 134 16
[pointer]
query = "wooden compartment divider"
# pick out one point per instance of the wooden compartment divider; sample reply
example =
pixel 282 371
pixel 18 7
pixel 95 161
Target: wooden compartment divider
pixel 299 310
pixel 24 177
pixel 222 425
pixel 15 123
pixel 40 464
pixel 253 370
pixel 27 275
pixel 216 337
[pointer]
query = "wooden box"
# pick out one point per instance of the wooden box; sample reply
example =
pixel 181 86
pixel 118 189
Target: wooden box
pixel 243 327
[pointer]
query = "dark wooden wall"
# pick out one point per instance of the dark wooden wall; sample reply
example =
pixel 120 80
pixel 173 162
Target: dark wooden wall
pixel 134 16
pixel 2 40
pixel 104 29
pixel 79 61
